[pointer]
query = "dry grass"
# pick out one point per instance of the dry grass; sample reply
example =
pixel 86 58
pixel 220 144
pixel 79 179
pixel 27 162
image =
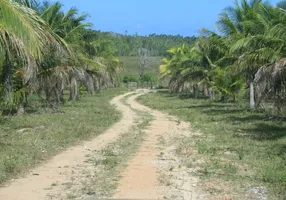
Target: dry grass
pixel 236 146
pixel 46 133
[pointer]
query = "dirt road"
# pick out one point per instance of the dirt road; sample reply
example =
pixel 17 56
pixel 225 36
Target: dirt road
pixel 147 175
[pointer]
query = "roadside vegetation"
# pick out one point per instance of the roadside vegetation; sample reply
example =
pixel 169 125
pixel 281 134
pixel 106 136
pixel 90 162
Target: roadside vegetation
pixel 49 58
pixel 231 85
pixel 32 138
pixel 45 51
pixel 237 147
pixel 248 50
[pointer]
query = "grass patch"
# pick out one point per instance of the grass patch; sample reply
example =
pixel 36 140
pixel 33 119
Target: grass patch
pixel 244 147
pixel 109 162
pixel 132 65
pixel 45 133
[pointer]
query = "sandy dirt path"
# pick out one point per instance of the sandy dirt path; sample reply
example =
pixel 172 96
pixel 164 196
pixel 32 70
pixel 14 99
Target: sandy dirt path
pixel 141 178
pixel 61 167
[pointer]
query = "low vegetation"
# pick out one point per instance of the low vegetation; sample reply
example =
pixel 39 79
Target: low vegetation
pixel 111 161
pixel 244 147
pixel 131 66
pixel 210 81
pixel 29 139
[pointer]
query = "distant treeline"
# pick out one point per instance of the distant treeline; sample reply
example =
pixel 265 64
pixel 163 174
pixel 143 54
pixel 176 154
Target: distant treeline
pixel 128 45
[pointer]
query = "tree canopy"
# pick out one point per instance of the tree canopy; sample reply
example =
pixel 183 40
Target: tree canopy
pixel 248 49
pixel 44 50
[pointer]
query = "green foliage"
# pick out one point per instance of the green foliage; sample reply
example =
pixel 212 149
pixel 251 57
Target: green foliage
pixel 228 84
pixel 131 65
pixel 128 45
pixel 11 103
pixel 235 145
pixel 130 78
pixel 22 150
pixel 64 49
pixel 251 44
pixel 148 78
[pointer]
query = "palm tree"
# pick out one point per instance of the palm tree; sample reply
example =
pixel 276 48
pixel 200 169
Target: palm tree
pixel 92 62
pixel 240 23
pixel 22 37
pixel 252 26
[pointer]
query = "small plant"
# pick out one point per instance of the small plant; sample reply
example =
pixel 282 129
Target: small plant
pixel 130 78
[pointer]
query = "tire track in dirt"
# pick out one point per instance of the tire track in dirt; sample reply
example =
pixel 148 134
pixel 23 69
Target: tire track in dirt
pixel 61 167
pixel 141 179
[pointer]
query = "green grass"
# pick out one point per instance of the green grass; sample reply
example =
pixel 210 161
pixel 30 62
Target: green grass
pixel 132 64
pixel 237 145
pixel 112 160
pixel 47 133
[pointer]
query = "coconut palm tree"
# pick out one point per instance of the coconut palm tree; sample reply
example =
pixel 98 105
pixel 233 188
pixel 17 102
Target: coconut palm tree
pixel 92 62
pixel 240 23
pixel 253 28
pixel 23 34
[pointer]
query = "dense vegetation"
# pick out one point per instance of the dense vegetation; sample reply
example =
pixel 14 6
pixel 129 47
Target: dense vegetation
pixel 44 51
pixel 248 50
pixel 157 45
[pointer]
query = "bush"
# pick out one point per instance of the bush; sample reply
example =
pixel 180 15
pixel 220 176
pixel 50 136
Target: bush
pixel 148 78
pixel 130 78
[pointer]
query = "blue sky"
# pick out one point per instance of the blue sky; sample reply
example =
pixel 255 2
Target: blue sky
pixel 184 17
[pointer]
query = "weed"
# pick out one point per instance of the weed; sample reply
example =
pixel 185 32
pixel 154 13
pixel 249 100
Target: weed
pixel 233 139
pixel 109 162
pixel 79 120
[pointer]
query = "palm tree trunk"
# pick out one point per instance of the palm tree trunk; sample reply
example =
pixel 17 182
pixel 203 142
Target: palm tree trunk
pixel 73 89
pixel 251 94
pixel 196 91
pixel 206 91
pixel 21 109
pixel 48 96
pixel 212 94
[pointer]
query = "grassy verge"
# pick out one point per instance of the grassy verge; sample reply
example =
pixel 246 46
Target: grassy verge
pixel 241 148
pixel 108 163
pixel 27 140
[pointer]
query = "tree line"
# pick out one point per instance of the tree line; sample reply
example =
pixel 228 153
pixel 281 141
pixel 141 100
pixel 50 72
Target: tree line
pixel 247 53
pixel 45 51
pixel 157 45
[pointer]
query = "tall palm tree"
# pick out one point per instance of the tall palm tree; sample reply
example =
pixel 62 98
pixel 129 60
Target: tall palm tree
pixel 244 24
pixel 23 34
pixel 92 62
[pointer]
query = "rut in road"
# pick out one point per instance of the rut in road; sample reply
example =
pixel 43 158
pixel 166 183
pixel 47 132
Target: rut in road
pixel 141 178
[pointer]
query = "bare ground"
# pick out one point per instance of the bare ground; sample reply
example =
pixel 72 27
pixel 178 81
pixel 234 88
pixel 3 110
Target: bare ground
pixel 154 172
